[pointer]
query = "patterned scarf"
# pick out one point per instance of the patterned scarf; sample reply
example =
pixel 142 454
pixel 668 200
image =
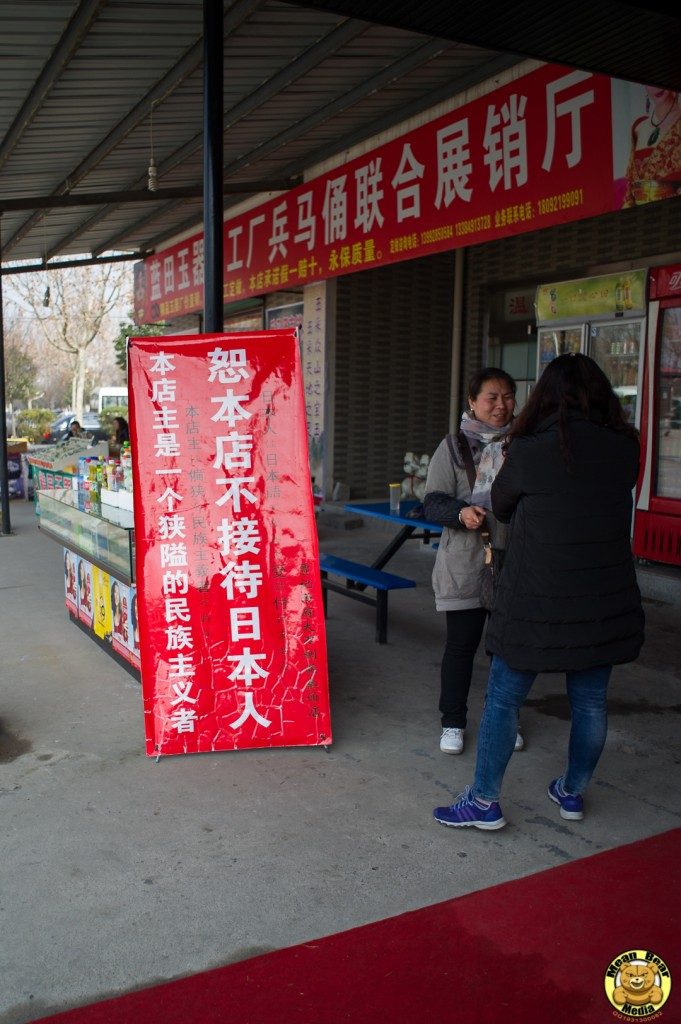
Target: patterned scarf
pixel 486 446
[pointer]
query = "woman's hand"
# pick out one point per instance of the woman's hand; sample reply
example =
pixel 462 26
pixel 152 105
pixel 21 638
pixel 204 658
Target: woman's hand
pixel 472 517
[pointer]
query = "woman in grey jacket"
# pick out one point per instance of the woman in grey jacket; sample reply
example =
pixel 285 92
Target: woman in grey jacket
pixel 457 575
pixel 567 600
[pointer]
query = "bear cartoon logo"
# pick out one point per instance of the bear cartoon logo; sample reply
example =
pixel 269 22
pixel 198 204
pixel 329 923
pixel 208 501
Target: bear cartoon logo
pixel 637 983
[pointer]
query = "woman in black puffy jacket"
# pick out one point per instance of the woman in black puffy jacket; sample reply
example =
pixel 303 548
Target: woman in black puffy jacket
pixel 567 598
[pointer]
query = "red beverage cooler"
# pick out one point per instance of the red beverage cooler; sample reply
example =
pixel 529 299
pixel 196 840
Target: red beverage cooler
pixel 657 520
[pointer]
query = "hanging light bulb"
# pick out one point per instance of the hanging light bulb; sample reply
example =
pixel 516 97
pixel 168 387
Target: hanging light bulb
pixel 152 171
pixel 152 180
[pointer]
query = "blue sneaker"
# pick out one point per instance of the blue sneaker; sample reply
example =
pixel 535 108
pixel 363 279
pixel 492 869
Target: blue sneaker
pixel 571 804
pixel 469 811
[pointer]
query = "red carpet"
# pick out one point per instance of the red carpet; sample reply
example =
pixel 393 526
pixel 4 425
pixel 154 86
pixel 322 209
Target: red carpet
pixel 529 951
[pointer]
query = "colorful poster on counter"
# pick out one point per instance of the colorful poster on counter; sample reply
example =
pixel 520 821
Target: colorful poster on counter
pixel 134 631
pixel 70 586
pixel 107 607
pixel 85 608
pixel 233 646
pixel 101 589
pixel 120 618
pixel 546 148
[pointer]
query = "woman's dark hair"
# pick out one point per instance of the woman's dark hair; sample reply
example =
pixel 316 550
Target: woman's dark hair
pixel 133 611
pixel 115 589
pixel 481 377
pixel 570 382
pixel 121 430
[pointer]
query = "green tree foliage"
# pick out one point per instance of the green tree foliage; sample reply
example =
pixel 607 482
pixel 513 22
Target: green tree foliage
pixel 32 423
pixel 127 329
pixel 20 375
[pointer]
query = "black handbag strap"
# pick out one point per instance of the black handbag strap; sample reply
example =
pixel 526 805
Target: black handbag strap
pixel 466 456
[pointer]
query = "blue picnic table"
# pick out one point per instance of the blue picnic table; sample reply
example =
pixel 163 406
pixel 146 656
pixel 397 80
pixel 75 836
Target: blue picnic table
pixel 407 528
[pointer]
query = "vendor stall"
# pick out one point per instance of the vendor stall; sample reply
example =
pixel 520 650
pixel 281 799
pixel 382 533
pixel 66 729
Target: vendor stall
pixel 94 525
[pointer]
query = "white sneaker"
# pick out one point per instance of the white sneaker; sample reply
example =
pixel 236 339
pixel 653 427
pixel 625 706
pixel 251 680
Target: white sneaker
pixel 519 741
pixel 451 741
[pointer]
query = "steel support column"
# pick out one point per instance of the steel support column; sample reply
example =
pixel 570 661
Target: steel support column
pixel 4 470
pixel 213 102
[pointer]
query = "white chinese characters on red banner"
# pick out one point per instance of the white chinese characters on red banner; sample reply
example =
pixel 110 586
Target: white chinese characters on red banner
pixel 531 154
pixel 233 648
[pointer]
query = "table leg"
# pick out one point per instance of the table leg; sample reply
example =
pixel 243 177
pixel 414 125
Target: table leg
pixel 381 616
pixel 394 545
pixel 387 553
pixel 324 596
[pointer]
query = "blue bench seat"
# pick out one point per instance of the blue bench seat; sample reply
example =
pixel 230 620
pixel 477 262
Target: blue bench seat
pixel 358 576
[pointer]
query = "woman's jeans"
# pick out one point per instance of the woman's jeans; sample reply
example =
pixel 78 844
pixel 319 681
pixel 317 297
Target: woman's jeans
pixel 507 688
pixel 464 630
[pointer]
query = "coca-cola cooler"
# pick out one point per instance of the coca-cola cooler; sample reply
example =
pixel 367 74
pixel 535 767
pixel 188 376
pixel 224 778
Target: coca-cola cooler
pixel 657 520
pixel 603 317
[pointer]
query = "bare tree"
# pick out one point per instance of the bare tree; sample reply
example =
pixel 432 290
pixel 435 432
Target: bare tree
pixel 73 311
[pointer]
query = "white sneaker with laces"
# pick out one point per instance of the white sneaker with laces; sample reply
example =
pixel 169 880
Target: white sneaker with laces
pixel 519 741
pixel 451 741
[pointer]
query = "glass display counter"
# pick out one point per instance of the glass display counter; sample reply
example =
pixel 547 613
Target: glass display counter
pixel 98 548
pixel 103 534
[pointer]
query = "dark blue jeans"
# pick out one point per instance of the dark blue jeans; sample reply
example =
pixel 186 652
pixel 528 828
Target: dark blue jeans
pixel 507 688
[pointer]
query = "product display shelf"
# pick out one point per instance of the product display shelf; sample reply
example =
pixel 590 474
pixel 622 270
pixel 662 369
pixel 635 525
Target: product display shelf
pixel 104 535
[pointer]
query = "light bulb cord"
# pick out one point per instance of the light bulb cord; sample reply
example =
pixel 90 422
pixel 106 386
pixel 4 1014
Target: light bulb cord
pixel 152 171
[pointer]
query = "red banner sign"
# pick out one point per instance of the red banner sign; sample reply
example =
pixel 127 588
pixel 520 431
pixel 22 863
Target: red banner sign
pixel 232 636
pixel 532 154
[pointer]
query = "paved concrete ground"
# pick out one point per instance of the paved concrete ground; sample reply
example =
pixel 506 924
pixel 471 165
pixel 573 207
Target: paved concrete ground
pixel 119 872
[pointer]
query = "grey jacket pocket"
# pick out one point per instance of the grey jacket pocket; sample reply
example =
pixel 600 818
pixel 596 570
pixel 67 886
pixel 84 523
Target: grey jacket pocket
pixel 458 566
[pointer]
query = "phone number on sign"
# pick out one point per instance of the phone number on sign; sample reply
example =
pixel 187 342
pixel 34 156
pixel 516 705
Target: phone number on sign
pixel 563 201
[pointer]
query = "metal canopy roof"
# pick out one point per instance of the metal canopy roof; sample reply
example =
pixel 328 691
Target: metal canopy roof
pixel 635 41
pixel 89 90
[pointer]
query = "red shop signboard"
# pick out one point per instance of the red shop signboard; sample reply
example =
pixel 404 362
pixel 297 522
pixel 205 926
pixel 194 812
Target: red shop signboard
pixel 233 646
pixel 532 154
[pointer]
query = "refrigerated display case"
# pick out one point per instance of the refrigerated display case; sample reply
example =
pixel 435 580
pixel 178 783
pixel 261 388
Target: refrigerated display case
pixel 617 348
pixel 602 317
pixel 657 527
